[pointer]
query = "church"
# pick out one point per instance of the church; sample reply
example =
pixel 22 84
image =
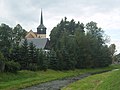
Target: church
pixel 41 30
pixel 39 38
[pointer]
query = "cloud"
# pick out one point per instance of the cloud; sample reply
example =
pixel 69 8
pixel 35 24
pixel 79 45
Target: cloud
pixel 26 12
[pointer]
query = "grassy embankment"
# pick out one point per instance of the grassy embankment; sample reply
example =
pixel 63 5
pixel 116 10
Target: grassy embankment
pixel 10 81
pixel 105 81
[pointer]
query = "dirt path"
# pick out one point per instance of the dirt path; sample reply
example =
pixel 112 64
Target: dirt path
pixel 57 84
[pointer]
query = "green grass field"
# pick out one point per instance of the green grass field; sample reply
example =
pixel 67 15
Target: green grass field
pixel 104 81
pixel 10 81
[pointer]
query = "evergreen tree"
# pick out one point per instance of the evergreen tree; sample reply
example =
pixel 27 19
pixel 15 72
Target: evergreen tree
pixel 53 60
pixel 24 55
pixel 15 53
pixel 32 53
pixel 42 60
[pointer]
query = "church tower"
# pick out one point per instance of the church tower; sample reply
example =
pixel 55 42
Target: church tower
pixel 41 29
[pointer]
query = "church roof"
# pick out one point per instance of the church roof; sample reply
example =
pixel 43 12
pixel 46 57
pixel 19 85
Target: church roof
pixel 41 26
pixel 41 43
pixel 31 34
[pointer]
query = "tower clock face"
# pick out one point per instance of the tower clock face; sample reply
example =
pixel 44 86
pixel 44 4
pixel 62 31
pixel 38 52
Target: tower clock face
pixel 41 29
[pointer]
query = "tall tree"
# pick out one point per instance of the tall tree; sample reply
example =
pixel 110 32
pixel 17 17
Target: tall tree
pixel 97 44
pixel 24 53
pixel 64 25
pixel 53 60
pixel 5 39
pixel 42 60
pixel 18 33
pixel 95 31
pixel 15 53
pixel 32 53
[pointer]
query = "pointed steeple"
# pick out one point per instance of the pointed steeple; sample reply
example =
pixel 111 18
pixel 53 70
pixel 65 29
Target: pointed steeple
pixel 41 21
pixel 41 29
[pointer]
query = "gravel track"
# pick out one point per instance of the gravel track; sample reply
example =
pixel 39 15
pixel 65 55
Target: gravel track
pixel 57 84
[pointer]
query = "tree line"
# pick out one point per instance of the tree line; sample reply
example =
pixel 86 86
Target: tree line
pixel 76 45
pixel 13 56
pixel 73 45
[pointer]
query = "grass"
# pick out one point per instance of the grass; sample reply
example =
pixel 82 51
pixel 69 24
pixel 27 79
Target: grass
pixel 10 81
pixel 105 81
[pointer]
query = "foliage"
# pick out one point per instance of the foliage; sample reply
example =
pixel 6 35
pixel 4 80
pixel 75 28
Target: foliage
pixel 42 60
pixel 2 62
pixel 53 60
pixel 29 57
pixel 15 53
pixel 71 47
pixel 64 25
pixel 11 66
pixel 9 37
pixel 5 39
pixel 24 53
pixel 76 49
pixel 32 53
pixel 18 34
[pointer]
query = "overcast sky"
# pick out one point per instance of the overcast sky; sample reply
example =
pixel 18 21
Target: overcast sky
pixel 27 12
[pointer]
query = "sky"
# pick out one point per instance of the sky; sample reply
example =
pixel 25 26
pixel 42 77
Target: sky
pixel 27 13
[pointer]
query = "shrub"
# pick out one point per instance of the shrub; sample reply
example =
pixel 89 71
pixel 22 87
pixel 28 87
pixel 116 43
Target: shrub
pixel 11 66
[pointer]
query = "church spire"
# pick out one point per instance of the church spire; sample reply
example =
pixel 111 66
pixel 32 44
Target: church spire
pixel 41 21
pixel 41 29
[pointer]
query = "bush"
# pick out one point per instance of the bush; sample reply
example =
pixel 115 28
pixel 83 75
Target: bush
pixel 11 66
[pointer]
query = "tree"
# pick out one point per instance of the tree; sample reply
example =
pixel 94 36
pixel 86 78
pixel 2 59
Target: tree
pixel 80 46
pixel 18 34
pixel 66 50
pixel 96 32
pixel 64 25
pixel 11 66
pixel 53 60
pixel 32 53
pixel 5 39
pixel 97 44
pixel 15 53
pixel 24 55
pixel 42 60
